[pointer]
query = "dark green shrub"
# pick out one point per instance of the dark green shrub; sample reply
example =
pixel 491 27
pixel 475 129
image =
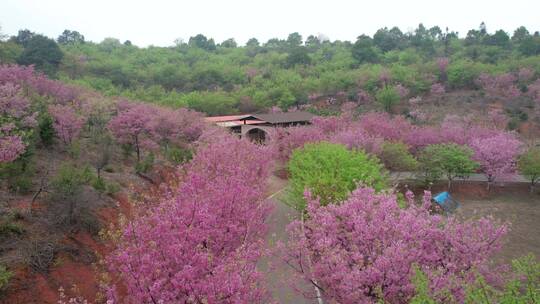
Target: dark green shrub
pixel 99 184
pixel 146 164
pixel 5 276
pixel 179 155
pixel 67 186
pixel 46 130
pixel 112 188
pixel 9 228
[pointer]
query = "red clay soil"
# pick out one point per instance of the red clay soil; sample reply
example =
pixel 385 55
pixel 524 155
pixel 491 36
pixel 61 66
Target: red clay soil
pixel 78 277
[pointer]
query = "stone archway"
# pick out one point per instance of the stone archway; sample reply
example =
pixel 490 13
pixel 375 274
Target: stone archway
pixel 256 135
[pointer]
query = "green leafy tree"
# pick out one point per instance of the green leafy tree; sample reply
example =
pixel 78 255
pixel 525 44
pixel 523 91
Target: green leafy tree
pixel 449 160
pixel 253 42
pixel 530 46
pixel 294 39
pixel 23 37
pixel 387 97
pixel 520 34
pixel 10 51
pixel 364 51
pixel 298 56
pixel 229 43
pixel 200 41
pixel 388 40
pixel 70 37
pixel 68 184
pixel 396 157
pixel 42 52
pixel 499 38
pixel 46 130
pixel 330 171
pixel 529 166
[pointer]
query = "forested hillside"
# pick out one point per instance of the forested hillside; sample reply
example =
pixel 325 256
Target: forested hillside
pixel 222 78
pixel 114 188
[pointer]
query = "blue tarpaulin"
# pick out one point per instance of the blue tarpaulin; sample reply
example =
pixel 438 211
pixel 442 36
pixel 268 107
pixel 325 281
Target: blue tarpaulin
pixel 445 200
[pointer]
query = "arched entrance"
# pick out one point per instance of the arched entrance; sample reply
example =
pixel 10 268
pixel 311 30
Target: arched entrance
pixel 256 135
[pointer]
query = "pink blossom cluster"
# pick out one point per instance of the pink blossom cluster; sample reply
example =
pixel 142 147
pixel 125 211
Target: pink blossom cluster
pixel 402 90
pixel 365 249
pixel 498 119
pixel 11 147
pixel 28 78
pixel 66 122
pixel 385 77
pixel 496 154
pixel 201 242
pixel 442 64
pixel 363 97
pixel 525 74
pixel 533 90
pixel 145 126
pixel 16 121
pixel 503 85
pixel 437 89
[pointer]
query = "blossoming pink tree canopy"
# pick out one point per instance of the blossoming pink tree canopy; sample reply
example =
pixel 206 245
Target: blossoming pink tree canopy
pixel 363 250
pixel 201 243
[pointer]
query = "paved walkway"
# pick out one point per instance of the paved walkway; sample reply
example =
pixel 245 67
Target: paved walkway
pixel 516 178
pixel 278 274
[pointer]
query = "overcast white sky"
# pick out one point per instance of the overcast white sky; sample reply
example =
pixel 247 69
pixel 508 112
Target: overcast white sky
pixel 160 22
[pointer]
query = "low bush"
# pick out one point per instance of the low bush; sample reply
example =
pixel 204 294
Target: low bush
pixel 39 255
pixel 179 155
pixel 8 229
pixel 5 276
pixel 146 164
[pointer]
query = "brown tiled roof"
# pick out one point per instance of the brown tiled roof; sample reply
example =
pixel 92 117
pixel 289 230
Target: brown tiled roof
pixel 285 117
pixel 226 118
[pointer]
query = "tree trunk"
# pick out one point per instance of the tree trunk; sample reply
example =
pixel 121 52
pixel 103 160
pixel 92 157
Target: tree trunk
pixel 489 181
pixel 137 149
pixel 317 289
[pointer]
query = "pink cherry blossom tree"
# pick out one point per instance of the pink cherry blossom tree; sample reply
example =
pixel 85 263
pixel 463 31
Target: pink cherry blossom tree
pixel 363 97
pixel 365 249
pixel 499 85
pixel 437 89
pixel 497 155
pixel 284 140
pixel 384 126
pixel 11 147
pixel 179 126
pixel 16 121
pixel 200 242
pixel 402 90
pixel 525 74
pixel 498 119
pixel 133 127
pixel 442 65
pixel 66 122
pixel 533 91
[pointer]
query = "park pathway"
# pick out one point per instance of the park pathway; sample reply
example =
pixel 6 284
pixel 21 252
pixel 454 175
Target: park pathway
pixel 278 274
pixel 516 178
